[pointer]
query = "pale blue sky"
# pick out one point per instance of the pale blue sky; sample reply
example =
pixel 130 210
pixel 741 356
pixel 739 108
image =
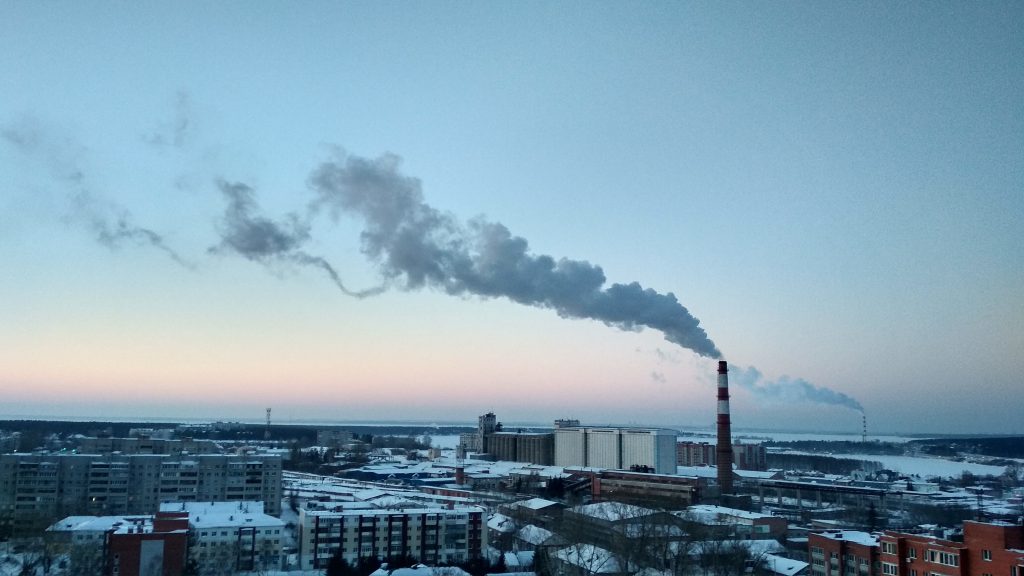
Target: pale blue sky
pixel 835 190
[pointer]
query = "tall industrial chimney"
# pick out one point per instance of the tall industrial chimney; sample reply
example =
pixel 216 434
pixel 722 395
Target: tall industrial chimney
pixel 724 451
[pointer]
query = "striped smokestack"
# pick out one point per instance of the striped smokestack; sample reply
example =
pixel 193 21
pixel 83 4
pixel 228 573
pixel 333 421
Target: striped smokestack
pixel 724 431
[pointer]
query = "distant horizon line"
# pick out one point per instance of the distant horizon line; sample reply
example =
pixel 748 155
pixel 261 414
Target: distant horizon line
pixel 430 423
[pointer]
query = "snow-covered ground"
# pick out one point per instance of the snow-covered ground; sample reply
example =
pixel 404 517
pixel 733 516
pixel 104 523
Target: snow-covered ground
pixel 923 467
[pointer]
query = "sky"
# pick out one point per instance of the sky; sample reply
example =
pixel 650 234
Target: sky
pixel 541 209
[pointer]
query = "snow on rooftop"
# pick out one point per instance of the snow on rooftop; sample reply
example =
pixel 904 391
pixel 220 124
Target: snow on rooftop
pixel 224 514
pixel 590 558
pixel 102 524
pixel 536 503
pixel 711 513
pixel 501 523
pixel 855 536
pixel 533 534
pixel 784 566
pixel 612 511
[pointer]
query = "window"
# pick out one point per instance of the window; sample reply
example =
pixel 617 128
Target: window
pixel 986 555
pixel 888 547
pixel 946 558
pixel 912 553
pixel 889 569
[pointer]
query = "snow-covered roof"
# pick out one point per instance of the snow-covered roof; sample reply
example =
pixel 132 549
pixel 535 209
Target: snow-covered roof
pixel 536 503
pixel 590 558
pixel 224 514
pixel 711 513
pixel 708 472
pixel 533 534
pixel 522 559
pixel 501 523
pixel 855 536
pixel 102 523
pixel 613 511
pixel 421 570
pixel 784 566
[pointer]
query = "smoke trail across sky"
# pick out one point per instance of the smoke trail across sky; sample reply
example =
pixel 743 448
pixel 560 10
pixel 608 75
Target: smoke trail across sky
pixel 786 389
pixel 262 240
pixel 416 245
pixel 111 225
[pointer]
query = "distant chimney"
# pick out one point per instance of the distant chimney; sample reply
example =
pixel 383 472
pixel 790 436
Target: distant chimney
pixel 460 475
pixel 724 450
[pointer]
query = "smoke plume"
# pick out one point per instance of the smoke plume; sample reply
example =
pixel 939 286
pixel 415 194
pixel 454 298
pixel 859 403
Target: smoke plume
pixel 111 225
pixel 789 389
pixel 262 240
pixel 416 245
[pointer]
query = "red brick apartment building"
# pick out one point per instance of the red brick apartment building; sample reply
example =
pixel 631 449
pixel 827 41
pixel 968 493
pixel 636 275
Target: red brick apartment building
pixel 988 549
pixel 844 553
pixel 160 549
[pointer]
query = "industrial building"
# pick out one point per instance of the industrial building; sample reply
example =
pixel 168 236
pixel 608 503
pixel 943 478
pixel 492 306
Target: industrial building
pixel 650 449
pixel 429 535
pixel 532 447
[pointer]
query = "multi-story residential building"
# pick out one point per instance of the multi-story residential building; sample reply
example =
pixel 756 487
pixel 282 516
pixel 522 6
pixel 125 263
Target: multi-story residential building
pixel 145 445
pixel 988 549
pixel 430 535
pixel 844 553
pixel 122 545
pixel 237 536
pixel 695 454
pixel 744 456
pixel 38 489
pixel 653 449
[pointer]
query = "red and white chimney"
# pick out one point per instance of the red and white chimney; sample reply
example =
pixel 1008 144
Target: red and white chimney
pixel 724 450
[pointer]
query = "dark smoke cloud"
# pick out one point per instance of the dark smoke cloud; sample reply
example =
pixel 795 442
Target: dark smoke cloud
pixel 111 225
pixel 260 239
pixel 416 245
pixel 789 389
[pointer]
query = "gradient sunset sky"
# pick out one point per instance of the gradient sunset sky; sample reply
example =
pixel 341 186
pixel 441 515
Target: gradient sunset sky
pixel 835 190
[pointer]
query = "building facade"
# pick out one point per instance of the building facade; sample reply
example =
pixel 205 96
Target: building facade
pixel 988 549
pixel 429 535
pixel 744 456
pixel 232 536
pixel 844 553
pixel 123 545
pixel 41 488
pixel 652 449
pixel 535 448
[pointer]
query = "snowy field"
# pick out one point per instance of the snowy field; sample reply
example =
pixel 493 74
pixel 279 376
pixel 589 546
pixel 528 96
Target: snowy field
pixel 923 467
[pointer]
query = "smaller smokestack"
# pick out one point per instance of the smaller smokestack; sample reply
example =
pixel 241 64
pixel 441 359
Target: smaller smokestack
pixel 724 450
pixel 864 428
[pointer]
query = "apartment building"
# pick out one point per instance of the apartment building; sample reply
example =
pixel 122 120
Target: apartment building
pixel 988 549
pixel 430 535
pixel 237 536
pixel 744 456
pixel 145 445
pixel 122 545
pixel 38 489
pixel 844 553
